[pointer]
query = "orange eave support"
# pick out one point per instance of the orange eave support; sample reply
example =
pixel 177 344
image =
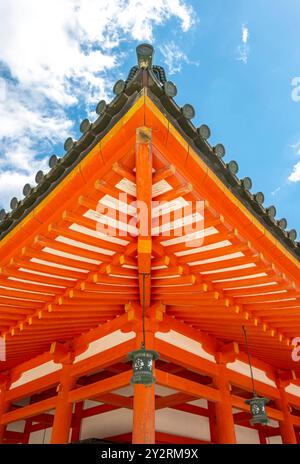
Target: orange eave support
pixel 179 153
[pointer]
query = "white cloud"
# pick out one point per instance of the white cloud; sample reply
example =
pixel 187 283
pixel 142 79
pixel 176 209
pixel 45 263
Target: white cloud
pixel 174 57
pixel 276 191
pixel 295 176
pixel 296 146
pixel 245 34
pixel 243 49
pixel 2 89
pixel 55 54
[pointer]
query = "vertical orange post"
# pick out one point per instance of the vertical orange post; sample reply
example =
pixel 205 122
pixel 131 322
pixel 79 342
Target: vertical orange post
pixel 27 431
pixel 212 421
pixel 143 430
pixel 286 426
pixel 224 416
pixel 262 437
pixel 76 423
pixel 4 405
pixel 143 415
pixel 63 411
pixel 143 163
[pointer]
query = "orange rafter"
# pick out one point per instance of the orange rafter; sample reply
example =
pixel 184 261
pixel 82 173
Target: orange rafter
pixel 64 266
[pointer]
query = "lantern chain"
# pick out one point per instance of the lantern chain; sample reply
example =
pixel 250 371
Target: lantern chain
pixel 249 360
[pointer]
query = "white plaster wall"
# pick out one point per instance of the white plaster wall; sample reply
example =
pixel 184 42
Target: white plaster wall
pixel 40 437
pixel 258 374
pixel 95 347
pixel 107 424
pixel 273 423
pixel 185 343
pixel 90 404
pixel 16 426
pixel 167 421
pixel 246 436
pixel 36 372
pixel 275 440
pixel 104 343
pixel 293 389
pixel 182 424
pixel 200 403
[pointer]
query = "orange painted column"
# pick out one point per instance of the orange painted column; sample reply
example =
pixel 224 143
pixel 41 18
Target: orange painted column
pixel 143 163
pixel 286 426
pixel 143 430
pixel 224 416
pixel 144 397
pixel 143 415
pixel 4 405
pixel 212 421
pixel 63 412
pixel 262 437
pixel 76 423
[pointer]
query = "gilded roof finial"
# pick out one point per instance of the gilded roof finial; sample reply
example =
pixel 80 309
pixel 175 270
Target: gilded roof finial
pixel 145 54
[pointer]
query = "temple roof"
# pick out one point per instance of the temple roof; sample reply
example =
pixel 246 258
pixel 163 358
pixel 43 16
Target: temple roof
pixel 62 275
pixel 162 93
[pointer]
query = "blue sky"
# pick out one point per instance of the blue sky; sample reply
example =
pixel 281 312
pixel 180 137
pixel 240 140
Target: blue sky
pixel 236 61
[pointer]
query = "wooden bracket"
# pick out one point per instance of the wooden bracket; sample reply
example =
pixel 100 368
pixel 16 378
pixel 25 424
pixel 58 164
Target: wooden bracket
pixel 62 353
pixel 227 353
pixel 284 378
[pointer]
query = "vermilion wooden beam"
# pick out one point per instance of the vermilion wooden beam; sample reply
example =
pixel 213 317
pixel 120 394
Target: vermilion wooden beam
pixel 192 409
pixel 143 162
pixel 160 438
pixel 101 360
pixel 33 386
pixel 18 437
pixel 188 360
pixel 172 400
pixel 163 173
pixel 28 411
pixel 115 400
pixel 32 277
pixel 54 231
pixel 187 386
pixel 98 388
pixel 30 286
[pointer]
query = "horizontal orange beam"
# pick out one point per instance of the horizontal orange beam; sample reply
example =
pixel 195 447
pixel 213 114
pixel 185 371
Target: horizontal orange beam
pixel 99 388
pixel 28 411
pixel 101 360
pixel 187 386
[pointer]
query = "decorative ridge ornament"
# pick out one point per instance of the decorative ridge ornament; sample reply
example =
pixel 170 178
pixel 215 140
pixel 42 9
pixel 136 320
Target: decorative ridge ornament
pixel 145 54
pixel 142 359
pixel 257 403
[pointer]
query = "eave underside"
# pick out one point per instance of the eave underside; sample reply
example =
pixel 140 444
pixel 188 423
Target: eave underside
pixel 60 277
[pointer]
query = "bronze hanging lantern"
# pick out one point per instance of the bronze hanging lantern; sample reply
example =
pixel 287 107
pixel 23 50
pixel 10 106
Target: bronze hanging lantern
pixel 142 359
pixel 142 364
pixel 257 403
pixel 258 410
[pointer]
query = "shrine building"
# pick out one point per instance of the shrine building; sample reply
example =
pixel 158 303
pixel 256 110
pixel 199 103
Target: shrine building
pixel 147 294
